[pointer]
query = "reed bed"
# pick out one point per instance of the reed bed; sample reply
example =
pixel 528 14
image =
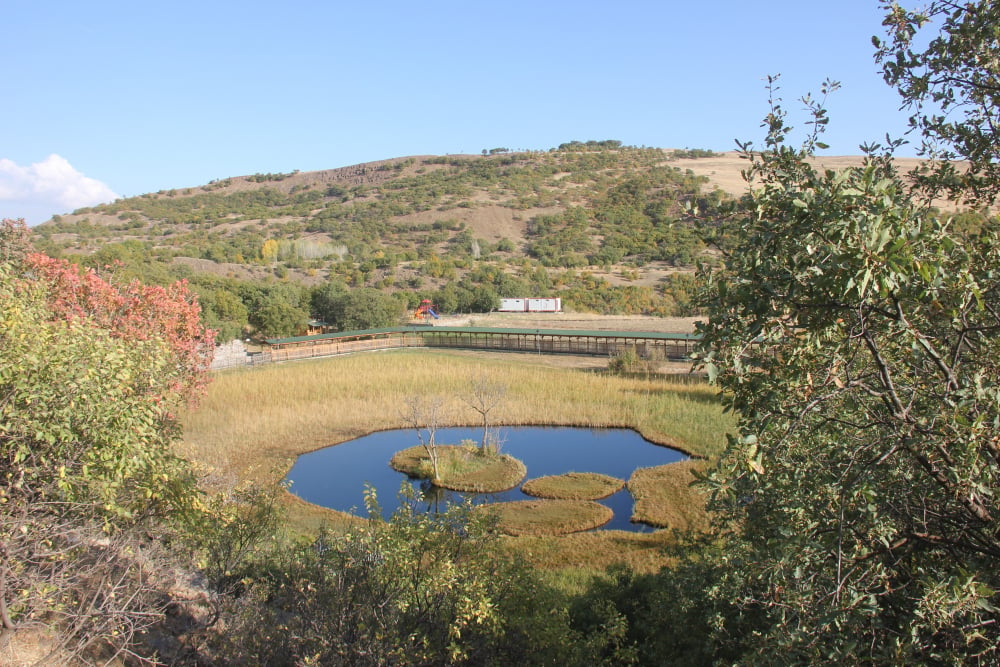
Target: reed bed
pixel 589 554
pixel 253 423
pixel 574 486
pixel 665 498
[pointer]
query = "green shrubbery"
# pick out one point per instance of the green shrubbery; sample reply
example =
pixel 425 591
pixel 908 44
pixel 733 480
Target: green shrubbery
pixel 854 330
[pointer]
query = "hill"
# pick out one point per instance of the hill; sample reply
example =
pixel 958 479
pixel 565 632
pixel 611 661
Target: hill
pixel 724 171
pixel 447 204
pixel 606 227
pixel 610 229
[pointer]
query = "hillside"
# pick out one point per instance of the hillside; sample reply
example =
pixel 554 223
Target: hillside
pixel 608 228
pixel 490 198
pixel 504 203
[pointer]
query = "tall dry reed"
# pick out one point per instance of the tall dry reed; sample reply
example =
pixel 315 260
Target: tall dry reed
pixel 255 422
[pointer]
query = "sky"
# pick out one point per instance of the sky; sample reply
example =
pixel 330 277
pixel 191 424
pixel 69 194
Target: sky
pixel 108 99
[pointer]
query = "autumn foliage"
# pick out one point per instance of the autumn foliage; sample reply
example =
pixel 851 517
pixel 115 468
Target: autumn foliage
pixel 90 370
pixel 132 311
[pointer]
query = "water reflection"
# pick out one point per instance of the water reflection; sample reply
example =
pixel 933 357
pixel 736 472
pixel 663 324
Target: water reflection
pixel 335 477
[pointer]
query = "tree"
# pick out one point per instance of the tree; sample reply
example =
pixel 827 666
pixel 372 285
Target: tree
pixel 14 242
pixel 857 337
pixel 90 374
pixel 485 395
pixel 279 319
pixel 423 415
pixel 227 536
pixel 953 88
pixel 256 295
pixel 367 308
pixel 223 311
pixel 352 310
pixel 482 299
pixel 269 251
pixel 448 297
pixel 419 589
pixel 169 315
pixel 326 298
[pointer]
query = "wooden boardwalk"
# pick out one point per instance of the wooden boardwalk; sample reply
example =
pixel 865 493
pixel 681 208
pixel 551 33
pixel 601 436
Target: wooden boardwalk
pixel 677 346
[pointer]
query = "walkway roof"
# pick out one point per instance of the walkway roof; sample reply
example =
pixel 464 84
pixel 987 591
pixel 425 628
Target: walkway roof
pixel 656 335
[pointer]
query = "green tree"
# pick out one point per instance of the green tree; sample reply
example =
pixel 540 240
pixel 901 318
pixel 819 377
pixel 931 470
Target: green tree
pixel 90 374
pixel 223 312
pixel 952 85
pixel 447 298
pixel 482 299
pixel 420 589
pixel 279 319
pixel 857 337
pixel 326 299
pixel 257 294
pixel 367 308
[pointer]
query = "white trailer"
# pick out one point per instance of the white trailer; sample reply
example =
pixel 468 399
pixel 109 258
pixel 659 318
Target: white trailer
pixel 512 305
pixel 544 305
pixel 531 305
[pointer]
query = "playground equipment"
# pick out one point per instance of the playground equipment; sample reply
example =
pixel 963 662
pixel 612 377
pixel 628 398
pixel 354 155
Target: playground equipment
pixel 424 309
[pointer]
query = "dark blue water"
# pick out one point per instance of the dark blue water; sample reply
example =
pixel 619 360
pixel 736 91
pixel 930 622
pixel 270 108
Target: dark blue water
pixel 336 476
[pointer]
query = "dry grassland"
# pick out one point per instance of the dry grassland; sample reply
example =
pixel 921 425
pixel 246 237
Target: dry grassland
pixel 724 170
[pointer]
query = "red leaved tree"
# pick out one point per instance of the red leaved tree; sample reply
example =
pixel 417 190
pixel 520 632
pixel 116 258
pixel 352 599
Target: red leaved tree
pixel 132 311
pixel 89 371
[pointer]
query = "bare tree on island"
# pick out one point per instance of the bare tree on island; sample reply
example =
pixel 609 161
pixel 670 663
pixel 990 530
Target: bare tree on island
pixel 422 414
pixel 485 396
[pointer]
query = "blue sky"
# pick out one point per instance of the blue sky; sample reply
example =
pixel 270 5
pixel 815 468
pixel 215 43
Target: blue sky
pixel 107 99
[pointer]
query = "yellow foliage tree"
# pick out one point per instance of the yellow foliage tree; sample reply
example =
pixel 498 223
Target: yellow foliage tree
pixel 269 251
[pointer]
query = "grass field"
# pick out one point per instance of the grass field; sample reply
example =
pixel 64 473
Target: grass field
pixel 254 423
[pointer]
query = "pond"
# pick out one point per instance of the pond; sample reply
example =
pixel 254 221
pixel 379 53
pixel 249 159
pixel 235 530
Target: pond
pixel 335 476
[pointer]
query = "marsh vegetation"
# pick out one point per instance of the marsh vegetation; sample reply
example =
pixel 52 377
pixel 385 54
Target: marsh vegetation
pixel 253 424
pixel 336 476
pixel 547 517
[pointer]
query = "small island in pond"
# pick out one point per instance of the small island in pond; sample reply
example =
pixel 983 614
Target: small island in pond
pixel 466 467
pixel 574 486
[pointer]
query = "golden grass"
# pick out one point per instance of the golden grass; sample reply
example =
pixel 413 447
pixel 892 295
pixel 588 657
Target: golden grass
pixel 665 498
pixel 253 423
pixel 462 468
pixel 594 551
pixel 574 486
pixel 547 517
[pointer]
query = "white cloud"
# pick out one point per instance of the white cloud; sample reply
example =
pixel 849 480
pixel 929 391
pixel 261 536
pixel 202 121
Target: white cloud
pixel 42 189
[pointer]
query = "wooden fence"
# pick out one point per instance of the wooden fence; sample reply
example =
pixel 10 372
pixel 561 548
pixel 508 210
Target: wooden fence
pixel 542 341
